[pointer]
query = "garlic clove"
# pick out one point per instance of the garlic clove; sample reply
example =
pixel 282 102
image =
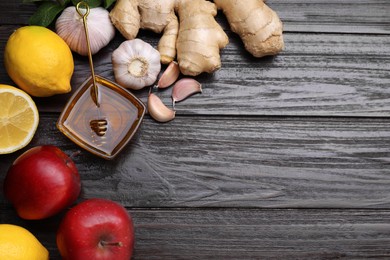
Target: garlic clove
pixel 185 88
pixel 170 75
pixel 136 64
pixel 158 110
pixel 69 26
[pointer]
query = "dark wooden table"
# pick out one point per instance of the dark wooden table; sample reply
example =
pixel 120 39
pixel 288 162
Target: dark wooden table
pixel 284 157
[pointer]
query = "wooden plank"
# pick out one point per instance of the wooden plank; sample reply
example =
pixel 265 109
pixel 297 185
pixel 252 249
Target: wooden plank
pixel 347 16
pixel 16 12
pixel 249 162
pixel 244 233
pixel 254 234
pixel 317 74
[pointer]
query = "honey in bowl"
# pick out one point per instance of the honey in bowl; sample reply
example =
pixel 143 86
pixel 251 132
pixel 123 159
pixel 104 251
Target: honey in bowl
pixel 104 128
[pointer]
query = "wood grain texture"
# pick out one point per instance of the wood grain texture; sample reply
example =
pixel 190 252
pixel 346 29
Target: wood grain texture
pixel 347 16
pixel 244 233
pixel 249 162
pixel 16 12
pixel 257 234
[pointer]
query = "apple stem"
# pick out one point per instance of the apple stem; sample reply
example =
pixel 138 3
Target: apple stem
pixel 104 243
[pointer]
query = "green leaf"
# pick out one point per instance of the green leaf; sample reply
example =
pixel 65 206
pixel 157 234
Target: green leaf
pixel 91 3
pixel 45 14
pixel 108 3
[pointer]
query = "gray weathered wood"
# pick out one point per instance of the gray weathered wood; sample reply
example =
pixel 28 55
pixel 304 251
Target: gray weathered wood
pixel 245 233
pixel 347 16
pixel 257 234
pixel 249 162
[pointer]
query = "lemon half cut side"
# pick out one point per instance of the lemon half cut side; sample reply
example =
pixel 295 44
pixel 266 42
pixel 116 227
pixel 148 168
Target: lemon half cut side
pixel 19 119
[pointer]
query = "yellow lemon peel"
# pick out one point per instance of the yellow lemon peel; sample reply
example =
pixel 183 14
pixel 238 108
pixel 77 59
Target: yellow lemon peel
pixel 39 61
pixel 17 243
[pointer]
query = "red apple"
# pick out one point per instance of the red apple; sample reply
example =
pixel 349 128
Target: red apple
pixel 42 182
pixel 96 229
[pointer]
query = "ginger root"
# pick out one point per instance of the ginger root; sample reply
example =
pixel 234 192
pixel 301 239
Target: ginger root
pixel 128 16
pixel 200 37
pixel 258 26
pixel 198 40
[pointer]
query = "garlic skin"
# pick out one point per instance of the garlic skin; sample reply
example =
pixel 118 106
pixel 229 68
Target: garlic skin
pixel 158 110
pixel 136 64
pixel 170 75
pixel 185 88
pixel 69 26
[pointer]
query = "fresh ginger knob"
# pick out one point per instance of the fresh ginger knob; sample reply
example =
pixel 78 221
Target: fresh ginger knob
pixel 258 26
pixel 200 37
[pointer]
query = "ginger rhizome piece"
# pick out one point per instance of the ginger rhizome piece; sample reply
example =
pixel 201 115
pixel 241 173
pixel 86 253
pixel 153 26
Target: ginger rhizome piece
pixel 128 16
pixel 258 26
pixel 200 37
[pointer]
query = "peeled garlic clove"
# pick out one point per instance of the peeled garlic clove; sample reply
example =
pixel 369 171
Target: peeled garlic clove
pixel 185 88
pixel 136 64
pixel 158 110
pixel 69 26
pixel 169 76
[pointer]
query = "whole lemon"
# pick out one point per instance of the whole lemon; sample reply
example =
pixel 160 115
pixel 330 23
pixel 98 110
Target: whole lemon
pixel 39 61
pixel 17 243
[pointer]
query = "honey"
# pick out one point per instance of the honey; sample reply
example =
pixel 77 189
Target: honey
pixel 102 127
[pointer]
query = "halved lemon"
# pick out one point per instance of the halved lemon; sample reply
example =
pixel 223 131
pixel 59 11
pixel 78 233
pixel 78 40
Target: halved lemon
pixel 18 119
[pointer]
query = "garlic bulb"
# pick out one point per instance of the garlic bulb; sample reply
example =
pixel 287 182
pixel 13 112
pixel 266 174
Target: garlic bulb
pixel 136 64
pixel 69 26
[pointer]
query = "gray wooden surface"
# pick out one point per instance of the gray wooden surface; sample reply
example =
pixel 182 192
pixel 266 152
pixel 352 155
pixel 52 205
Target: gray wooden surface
pixel 284 157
